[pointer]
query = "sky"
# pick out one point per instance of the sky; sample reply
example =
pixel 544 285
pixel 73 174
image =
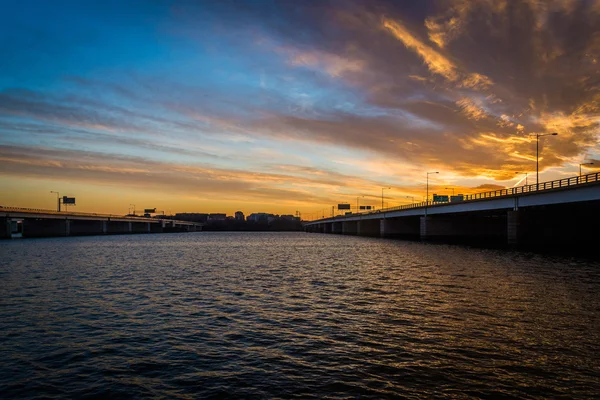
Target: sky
pixel 284 106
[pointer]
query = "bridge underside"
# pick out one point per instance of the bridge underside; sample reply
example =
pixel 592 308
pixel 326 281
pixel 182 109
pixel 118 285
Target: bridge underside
pixel 557 225
pixel 54 227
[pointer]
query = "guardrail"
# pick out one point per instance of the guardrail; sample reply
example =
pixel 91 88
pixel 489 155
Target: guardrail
pixel 566 182
pixel 82 214
pixel 65 213
pixel 526 189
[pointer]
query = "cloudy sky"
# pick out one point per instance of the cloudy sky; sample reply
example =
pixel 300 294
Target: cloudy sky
pixel 279 106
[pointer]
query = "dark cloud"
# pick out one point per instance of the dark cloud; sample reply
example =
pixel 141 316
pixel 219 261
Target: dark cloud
pixel 458 83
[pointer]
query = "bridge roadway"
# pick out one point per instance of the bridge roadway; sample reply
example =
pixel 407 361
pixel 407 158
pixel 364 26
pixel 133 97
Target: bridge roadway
pixel 562 212
pixel 26 222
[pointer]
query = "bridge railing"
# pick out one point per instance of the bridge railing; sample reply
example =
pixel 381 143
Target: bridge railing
pixel 559 183
pixel 66 213
pixel 82 214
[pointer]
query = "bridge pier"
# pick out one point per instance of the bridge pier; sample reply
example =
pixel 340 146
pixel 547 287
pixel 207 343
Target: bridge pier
pixel 156 228
pixel 349 228
pixel 84 227
pixel 464 227
pixel 336 227
pixel 117 227
pixel 399 227
pixel 5 228
pixel 558 226
pixel 138 227
pixel 513 229
pixel 368 227
pixel 33 227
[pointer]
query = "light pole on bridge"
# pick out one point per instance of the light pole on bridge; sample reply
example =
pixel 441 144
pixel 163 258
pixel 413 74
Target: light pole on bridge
pixel 357 202
pixel 589 163
pixel 382 189
pixel 537 155
pixel 427 190
pixel 57 200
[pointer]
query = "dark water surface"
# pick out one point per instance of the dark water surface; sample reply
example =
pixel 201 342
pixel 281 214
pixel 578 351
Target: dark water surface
pixel 262 315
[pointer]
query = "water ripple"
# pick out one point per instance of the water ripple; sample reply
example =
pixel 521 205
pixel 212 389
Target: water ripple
pixel 285 315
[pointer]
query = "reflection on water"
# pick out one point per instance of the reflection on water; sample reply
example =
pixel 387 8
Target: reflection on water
pixel 292 314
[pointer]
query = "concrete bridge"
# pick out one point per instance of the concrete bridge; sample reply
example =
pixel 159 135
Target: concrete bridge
pixel 25 222
pixel 561 212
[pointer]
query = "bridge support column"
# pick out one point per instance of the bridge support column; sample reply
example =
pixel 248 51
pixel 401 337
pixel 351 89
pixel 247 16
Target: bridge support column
pixel 327 226
pixel 5 228
pixel 78 227
pixel 368 227
pixel 148 229
pixel 156 228
pixel 129 227
pixel 423 227
pixel 349 228
pixel 104 227
pixel 336 227
pixel 399 227
pixel 513 222
pixel 464 227
pixel 38 227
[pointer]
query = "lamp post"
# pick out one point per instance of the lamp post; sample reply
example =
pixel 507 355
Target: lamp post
pixel 427 196
pixel 537 155
pixel 382 189
pixel 133 209
pixel 589 163
pixel 450 189
pixel 357 203
pixel 57 200
pixel 411 197
pixel 526 173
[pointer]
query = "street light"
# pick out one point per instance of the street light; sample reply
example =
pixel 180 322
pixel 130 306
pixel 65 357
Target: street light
pixel 537 155
pixel 450 189
pixel 526 173
pixel 411 197
pixel 133 209
pixel 357 197
pixel 57 200
pixel 589 163
pixel 427 197
pixel 382 189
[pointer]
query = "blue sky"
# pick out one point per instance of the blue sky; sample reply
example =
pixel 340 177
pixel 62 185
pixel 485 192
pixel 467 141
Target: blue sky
pixel 283 106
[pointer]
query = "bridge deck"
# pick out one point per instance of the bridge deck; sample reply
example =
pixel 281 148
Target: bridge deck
pixel 573 189
pixel 19 212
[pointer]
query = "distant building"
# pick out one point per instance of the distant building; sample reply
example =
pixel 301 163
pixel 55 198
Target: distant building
pixel 260 217
pixel 289 218
pixel 193 217
pixel 239 216
pixel 217 217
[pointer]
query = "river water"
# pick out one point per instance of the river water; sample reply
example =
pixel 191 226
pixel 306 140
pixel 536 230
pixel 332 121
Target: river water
pixel 263 315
